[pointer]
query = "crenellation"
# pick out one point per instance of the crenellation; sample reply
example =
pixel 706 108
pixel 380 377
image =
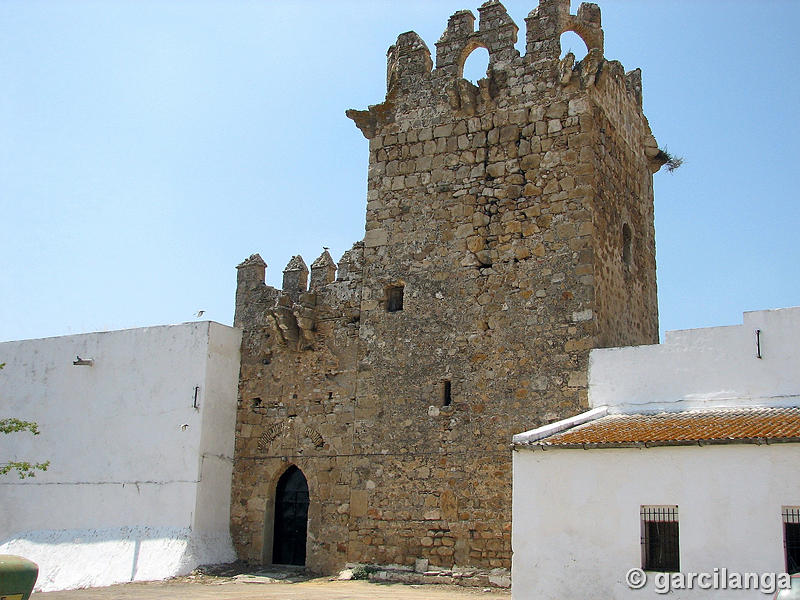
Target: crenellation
pixel 499 33
pixel 295 277
pixel 252 269
pixel 409 61
pixel 323 271
pixel 508 231
pixel 252 293
pixel 543 29
pixel 546 23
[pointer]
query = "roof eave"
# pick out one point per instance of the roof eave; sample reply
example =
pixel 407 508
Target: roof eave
pixel 527 438
pixel 760 441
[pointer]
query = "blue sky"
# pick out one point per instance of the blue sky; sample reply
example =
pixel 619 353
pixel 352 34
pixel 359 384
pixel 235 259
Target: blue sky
pixel 147 147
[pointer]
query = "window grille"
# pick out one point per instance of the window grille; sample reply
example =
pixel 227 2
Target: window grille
pixel 660 549
pixel 791 538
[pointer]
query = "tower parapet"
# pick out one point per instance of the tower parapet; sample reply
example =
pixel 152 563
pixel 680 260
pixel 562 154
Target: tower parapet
pixel 551 18
pixel 294 310
pixel 496 32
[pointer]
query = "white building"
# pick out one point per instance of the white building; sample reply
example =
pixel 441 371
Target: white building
pixel 139 433
pixel 688 461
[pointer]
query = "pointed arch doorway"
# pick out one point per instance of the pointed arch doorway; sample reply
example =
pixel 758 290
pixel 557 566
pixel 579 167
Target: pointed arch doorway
pixel 291 518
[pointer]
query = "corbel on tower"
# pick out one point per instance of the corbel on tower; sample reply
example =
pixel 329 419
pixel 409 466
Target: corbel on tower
pixel 408 63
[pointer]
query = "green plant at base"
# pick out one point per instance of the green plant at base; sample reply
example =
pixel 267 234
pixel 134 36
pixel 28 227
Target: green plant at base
pixel 363 571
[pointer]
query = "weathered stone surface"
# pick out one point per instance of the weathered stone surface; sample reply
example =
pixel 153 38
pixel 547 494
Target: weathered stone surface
pixel 376 237
pixel 493 261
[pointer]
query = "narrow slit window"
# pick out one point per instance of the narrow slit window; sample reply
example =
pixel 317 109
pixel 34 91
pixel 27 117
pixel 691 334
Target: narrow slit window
pixel 627 244
pixel 447 397
pixel 791 538
pixel 394 298
pixel 660 549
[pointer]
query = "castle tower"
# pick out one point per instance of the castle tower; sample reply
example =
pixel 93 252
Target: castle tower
pixel 509 230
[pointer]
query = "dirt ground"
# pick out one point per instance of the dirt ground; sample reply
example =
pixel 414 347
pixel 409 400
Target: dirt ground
pixel 234 583
pixel 314 589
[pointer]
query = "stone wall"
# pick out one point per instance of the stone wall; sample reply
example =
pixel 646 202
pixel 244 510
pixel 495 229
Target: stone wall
pixel 515 221
pixel 297 395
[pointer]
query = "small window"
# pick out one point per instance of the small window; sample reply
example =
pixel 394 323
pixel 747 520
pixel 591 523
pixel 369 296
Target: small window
pixel 394 298
pixel 447 397
pixel 476 65
pixel 627 244
pixel 572 42
pixel 660 550
pixel 791 538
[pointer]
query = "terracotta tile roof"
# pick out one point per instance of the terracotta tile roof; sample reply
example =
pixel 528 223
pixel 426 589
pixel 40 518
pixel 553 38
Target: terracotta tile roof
pixel 710 425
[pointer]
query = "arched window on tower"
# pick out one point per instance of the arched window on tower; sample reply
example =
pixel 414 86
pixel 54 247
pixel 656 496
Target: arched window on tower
pixel 572 42
pixel 476 65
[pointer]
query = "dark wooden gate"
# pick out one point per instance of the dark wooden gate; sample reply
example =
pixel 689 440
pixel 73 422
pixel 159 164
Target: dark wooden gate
pixel 291 519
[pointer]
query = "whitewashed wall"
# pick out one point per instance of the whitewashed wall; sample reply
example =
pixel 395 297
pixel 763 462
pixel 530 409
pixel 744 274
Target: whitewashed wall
pixel 576 527
pixel 576 523
pixel 715 366
pixel 139 482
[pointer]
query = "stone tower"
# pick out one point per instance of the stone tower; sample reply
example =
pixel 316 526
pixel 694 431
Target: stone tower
pixel 509 230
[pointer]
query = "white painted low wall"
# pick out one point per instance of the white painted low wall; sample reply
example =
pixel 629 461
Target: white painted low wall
pixel 576 526
pixel 139 482
pixel 715 366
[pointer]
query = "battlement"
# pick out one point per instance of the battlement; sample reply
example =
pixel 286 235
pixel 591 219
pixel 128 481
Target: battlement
pixel 496 32
pixel 511 79
pixel 546 23
pixel 297 307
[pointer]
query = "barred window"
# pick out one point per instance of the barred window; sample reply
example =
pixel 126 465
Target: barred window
pixel 791 538
pixel 660 549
